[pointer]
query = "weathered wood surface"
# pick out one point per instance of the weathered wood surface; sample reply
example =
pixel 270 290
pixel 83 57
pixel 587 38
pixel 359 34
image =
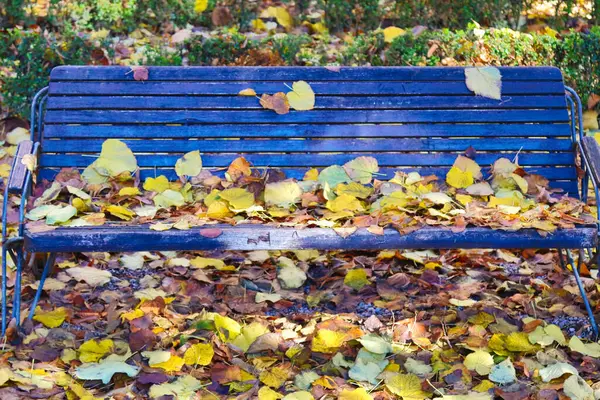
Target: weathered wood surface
pixel 18 173
pixel 123 237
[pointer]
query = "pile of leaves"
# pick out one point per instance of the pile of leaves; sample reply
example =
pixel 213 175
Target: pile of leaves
pixel 343 197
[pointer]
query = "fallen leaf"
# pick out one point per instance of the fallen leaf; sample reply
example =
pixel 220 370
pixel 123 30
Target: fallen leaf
pixel 484 81
pixel 302 97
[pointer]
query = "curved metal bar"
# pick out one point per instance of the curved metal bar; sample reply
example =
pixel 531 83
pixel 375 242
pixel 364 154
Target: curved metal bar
pixel 26 192
pixel 38 293
pixel 571 103
pixel 40 125
pixel 5 246
pixel 586 302
pixel 579 110
pixel 583 195
pixel 32 120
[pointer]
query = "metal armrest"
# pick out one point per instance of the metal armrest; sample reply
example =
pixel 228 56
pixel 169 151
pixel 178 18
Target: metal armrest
pixel 18 174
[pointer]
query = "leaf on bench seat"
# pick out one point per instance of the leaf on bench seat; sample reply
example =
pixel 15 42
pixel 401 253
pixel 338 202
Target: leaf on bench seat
pixel 484 81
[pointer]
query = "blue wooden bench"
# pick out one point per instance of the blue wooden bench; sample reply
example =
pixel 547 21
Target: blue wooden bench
pixel 408 118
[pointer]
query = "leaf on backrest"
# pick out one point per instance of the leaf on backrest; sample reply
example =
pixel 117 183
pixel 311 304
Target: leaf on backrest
pixel 484 81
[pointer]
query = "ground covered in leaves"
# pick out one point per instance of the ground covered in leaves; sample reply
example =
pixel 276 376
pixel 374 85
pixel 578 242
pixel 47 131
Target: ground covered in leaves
pixel 304 324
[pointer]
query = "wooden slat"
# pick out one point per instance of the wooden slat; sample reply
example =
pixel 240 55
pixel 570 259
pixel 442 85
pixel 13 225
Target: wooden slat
pixel 592 153
pixel 319 160
pixel 123 238
pixel 312 117
pixel 18 173
pixel 324 102
pixel 320 88
pixel 313 145
pixel 310 131
pixel 552 173
pixel 116 73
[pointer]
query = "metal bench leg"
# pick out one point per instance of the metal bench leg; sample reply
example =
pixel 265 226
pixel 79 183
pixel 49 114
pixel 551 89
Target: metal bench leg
pixel 8 249
pixel 17 291
pixel 38 293
pixel 586 301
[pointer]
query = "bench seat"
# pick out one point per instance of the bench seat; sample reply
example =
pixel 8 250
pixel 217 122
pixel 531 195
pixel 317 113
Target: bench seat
pixel 121 237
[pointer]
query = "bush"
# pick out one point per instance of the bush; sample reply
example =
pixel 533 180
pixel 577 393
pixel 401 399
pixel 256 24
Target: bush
pixel 222 49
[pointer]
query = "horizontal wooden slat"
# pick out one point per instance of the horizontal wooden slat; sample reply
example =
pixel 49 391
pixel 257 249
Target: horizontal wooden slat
pixel 313 145
pixel 552 173
pixel 320 88
pixel 312 117
pixel 324 102
pixel 319 160
pixel 296 73
pixel 260 237
pixel 331 131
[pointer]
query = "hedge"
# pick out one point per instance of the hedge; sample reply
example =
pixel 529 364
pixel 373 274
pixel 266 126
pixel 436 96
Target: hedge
pixel 27 56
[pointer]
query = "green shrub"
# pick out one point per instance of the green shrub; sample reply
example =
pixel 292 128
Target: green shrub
pixel 578 55
pixel 365 49
pixel 222 49
pixel 344 15
pixel 410 50
pixel 288 47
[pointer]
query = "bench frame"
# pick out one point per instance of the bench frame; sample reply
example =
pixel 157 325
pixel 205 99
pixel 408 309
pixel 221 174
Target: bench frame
pixel 21 180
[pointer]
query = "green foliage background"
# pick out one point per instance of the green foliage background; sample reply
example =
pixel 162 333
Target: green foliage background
pixel 31 46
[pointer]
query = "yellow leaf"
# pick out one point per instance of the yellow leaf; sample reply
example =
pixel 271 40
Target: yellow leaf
pixel 356 394
pixel 300 395
pixel 189 165
pixel 302 97
pixel 259 26
pixel 480 361
pixel 121 212
pixel 274 377
pixel 458 178
pixel 218 210
pixel 51 319
pixel 173 364
pixel 92 350
pixel 519 342
pixel 249 91
pixel 590 120
pixel 183 388
pixel 344 202
pixel 392 32
pixel 238 198
pixel 158 184
pixel 328 341
pixel 131 315
pixel 266 393
pixel 227 328
pixel 199 354
pixel 200 6
pixel 281 15
pixel 115 159
pixel 311 175
pixel 249 334
pixel 588 349
pixel 356 278
pixel 463 199
pixel 17 135
pixel 407 386
pixel 282 194
pixel 129 191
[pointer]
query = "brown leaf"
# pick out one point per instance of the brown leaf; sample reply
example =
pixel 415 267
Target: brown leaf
pixel 238 168
pixel 593 101
pixel 140 73
pixel 211 232
pixel 277 102
pixel 221 16
pixel 142 340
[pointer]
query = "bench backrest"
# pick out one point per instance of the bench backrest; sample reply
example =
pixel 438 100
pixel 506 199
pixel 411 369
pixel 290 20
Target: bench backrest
pixel 412 118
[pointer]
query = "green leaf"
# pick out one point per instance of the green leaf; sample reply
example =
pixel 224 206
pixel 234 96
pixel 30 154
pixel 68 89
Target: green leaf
pixel 484 81
pixel 105 370
pixel 557 370
pixel 183 388
pixel 589 349
pixel 115 158
pixel 375 344
pixel 361 169
pixel 503 373
pixel 578 389
pixel 333 176
pixel 479 361
pixel 406 386
pixel 189 165
pixel 304 380
pixel 60 215
pixel 169 198
pixel 417 367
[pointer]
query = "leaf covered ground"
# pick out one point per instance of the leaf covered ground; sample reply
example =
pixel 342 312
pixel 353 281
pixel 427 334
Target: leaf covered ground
pixel 304 324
